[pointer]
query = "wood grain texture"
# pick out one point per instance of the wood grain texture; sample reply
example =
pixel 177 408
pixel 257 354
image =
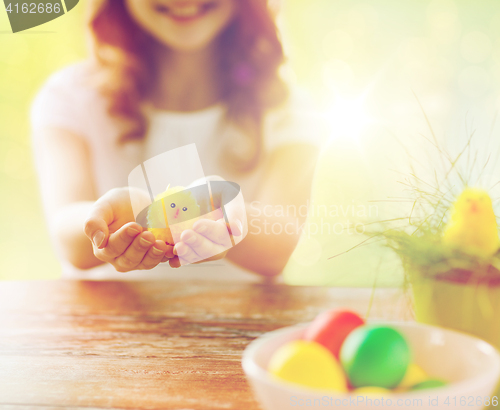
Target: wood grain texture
pixel 152 345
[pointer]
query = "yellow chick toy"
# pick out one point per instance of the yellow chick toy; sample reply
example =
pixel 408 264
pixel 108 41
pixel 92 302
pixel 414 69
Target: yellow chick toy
pixel 473 225
pixel 176 205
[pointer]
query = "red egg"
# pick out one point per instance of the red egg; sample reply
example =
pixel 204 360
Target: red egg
pixel 330 328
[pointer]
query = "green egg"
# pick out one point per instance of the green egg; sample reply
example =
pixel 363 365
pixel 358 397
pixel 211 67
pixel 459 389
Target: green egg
pixel 428 384
pixel 375 356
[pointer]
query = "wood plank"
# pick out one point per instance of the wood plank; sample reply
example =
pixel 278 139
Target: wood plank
pixel 168 345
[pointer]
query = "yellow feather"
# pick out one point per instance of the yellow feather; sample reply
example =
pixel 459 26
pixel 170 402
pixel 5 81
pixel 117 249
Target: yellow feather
pixel 473 226
pixel 174 205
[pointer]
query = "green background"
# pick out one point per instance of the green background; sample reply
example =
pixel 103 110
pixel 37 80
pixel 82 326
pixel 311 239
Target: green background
pixel 27 58
pixel 447 52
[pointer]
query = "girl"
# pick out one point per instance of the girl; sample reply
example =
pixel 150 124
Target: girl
pixel 163 74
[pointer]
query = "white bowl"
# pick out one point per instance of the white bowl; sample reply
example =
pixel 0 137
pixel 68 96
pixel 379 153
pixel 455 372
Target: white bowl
pixel 470 365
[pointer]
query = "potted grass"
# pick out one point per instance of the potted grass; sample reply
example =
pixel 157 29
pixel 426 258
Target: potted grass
pixel 449 247
pixel 449 243
pixel 450 287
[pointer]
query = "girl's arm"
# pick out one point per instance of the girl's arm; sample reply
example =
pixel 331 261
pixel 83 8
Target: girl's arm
pixel 274 219
pixel 67 192
pixel 69 198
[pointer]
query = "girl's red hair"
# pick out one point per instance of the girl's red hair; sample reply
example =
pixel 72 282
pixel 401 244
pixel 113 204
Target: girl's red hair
pixel 250 56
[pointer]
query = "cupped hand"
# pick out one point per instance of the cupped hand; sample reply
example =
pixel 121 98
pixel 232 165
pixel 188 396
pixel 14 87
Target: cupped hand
pixel 209 239
pixel 116 237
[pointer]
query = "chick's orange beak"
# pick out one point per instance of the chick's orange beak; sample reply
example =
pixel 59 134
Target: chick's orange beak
pixel 176 213
pixel 474 207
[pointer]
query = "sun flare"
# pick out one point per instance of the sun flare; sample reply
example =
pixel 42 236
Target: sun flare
pixel 347 117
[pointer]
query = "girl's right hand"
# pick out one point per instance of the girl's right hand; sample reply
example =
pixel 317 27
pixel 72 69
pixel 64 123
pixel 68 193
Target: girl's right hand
pixel 119 240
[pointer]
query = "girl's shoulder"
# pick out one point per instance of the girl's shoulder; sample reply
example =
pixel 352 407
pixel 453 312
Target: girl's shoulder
pixel 65 97
pixel 75 81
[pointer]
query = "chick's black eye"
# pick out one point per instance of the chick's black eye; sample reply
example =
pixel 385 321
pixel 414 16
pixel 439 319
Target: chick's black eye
pixel 184 209
pixel 172 205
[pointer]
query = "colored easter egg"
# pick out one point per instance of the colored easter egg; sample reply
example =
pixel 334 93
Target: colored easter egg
pixel 330 328
pixel 371 391
pixel 414 375
pixel 429 384
pixel 308 364
pixel 375 356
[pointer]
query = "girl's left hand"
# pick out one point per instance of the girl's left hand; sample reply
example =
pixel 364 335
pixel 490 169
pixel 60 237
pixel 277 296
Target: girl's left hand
pixel 207 241
pixel 210 239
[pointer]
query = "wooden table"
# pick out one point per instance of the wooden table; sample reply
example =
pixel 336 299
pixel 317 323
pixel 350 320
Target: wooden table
pixel 174 344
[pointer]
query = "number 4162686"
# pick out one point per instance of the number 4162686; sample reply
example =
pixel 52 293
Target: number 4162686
pixel 34 8
pixel 471 401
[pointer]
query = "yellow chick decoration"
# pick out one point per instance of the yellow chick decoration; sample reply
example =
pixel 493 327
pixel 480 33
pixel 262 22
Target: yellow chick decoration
pixel 174 205
pixel 473 225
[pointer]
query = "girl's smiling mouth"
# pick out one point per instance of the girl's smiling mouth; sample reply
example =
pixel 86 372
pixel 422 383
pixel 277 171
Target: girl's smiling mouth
pixel 185 11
